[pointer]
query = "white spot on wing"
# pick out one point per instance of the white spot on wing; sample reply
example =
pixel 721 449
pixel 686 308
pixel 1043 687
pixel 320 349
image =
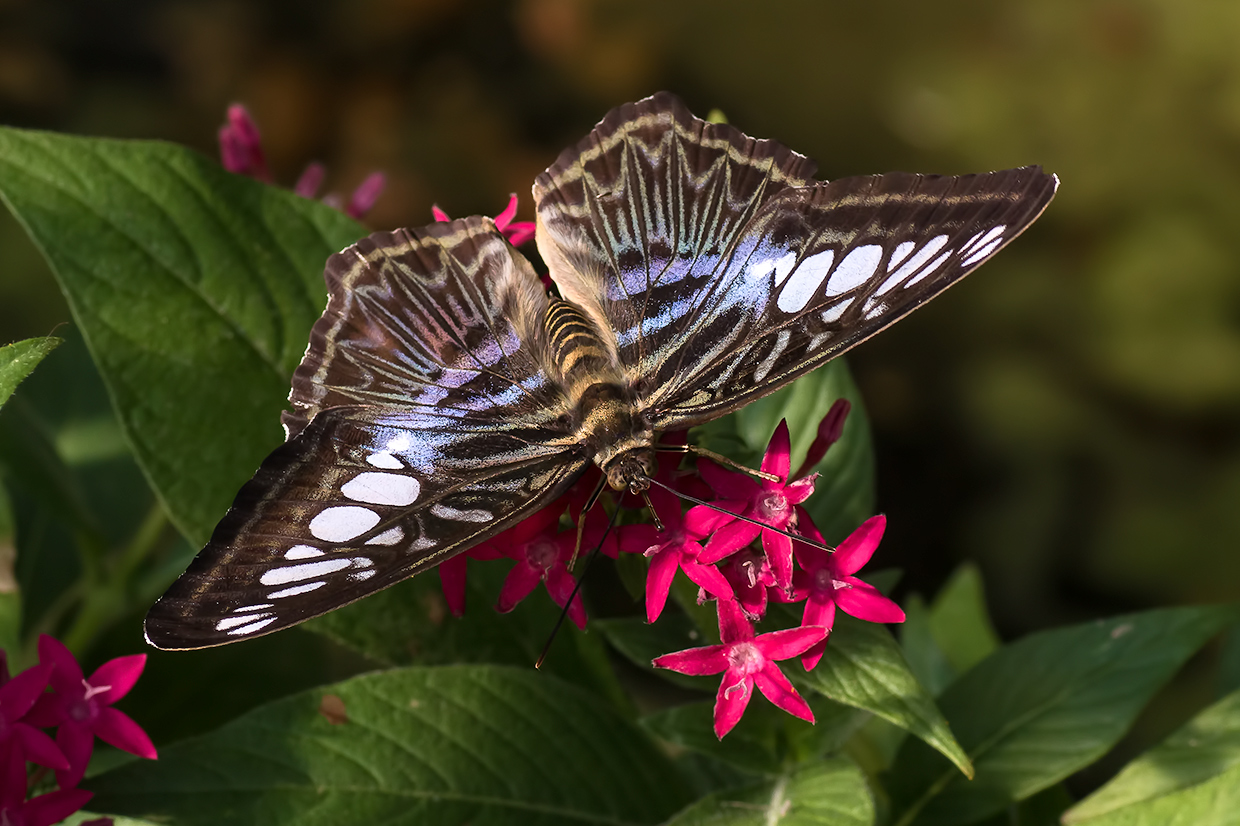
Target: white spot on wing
pixel 244 608
pixel 982 252
pixel 382 489
pixel 342 523
pixel 899 254
pixel 306 570
pixel 359 576
pixel 302 552
pixel 929 268
pixel 804 281
pixel 297 589
pixel 473 515
pixel 779 266
pixel 252 627
pixel 781 341
pixel 856 268
pixel 833 313
pixel 399 444
pixel 385 460
pixel 233 622
pixel 389 537
pixel 911 266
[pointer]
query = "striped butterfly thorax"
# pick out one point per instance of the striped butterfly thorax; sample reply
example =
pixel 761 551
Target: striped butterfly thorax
pixel 445 395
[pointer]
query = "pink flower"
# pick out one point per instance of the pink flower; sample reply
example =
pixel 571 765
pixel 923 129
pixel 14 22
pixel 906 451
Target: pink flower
pixel 517 232
pixel 542 555
pixel 82 708
pixel 17 697
pixel 749 574
pixel 675 547
pixel 772 503
pixel 746 661
pixel 241 151
pixel 826 580
pixel 829 431
pixel 452 574
pixel 43 810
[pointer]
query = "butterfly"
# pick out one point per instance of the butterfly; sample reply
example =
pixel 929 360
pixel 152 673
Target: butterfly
pixel 446 395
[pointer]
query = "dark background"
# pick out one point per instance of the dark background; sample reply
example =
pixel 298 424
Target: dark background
pixel 1068 418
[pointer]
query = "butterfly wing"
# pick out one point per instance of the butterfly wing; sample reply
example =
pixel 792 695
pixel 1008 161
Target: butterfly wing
pixel 787 273
pixel 424 424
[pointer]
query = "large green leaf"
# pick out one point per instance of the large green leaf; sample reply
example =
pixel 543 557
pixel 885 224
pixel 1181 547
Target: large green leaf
pixel 18 359
pixel 960 622
pixel 195 290
pixel 823 793
pixel 451 745
pixel 1187 773
pixel 1040 709
pixel 864 667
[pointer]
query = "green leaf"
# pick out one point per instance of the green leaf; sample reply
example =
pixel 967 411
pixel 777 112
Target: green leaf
pixel 766 740
pixel 640 642
pixel 1200 752
pixel 17 360
pixel 409 624
pixel 1211 803
pixel 844 494
pixel 461 744
pixel 960 622
pixel 195 290
pixel 10 592
pixel 921 648
pixel 824 793
pixel 1041 708
pixel 864 667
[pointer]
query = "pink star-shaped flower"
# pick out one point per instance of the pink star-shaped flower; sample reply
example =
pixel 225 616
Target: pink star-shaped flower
pixel 772 503
pixel 17 697
pixel 542 554
pixel 749 574
pixel 43 810
pixel 826 580
pixel 517 232
pixel 746 661
pixel 82 708
pixel 675 547
pixel 452 574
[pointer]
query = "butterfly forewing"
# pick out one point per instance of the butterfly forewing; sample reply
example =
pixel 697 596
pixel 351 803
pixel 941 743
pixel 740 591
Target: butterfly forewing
pixel 725 272
pixel 434 426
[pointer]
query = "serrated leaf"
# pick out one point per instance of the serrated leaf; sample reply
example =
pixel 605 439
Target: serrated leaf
pixel 18 359
pixel 1200 752
pixel 451 745
pixel 864 667
pixel 195 290
pixel 1043 707
pixel 828 792
pixel 960 622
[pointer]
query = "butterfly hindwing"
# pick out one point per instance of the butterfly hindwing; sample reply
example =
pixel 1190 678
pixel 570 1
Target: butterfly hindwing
pixel 425 423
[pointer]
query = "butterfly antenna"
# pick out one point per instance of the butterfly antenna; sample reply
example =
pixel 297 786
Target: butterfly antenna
pixel 718 457
pixel 796 537
pixel 585 570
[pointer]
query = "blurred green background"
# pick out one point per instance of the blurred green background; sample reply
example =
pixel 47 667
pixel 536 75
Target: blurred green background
pixel 1069 418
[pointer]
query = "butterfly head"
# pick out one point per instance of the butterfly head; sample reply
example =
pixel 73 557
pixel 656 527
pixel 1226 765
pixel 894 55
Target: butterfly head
pixel 632 470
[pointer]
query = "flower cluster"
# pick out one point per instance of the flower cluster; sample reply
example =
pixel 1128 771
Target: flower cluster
pixel 736 549
pixel 241 151
pixel 80 709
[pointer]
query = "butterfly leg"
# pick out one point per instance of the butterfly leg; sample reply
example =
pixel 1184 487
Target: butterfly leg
pixel 718 457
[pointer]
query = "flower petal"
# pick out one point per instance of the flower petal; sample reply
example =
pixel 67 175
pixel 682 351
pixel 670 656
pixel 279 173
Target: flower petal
pixel 507 213
pixel 727 484
pixel 819 612
pixel 814 653
pixel 829 431
pixel 39 748
pixel 789 642
pixel 697 662
pixel 119 729
pixel 855 551
pixel 659 581
pixel 120 673
pixel 779 552
pixel 561 585
pixel 728 540
pixel 19 694
pixel 866 602
pixel 637 539
pixel 709 578
pixel 731 701
pixel 66 675
pixel 76 741
pixel 54 807
pixel 734 626
pixel 452 578
pixel 778 457
pixel 310 180
pixel 522 580
pixel 367 192
pixel 776 688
